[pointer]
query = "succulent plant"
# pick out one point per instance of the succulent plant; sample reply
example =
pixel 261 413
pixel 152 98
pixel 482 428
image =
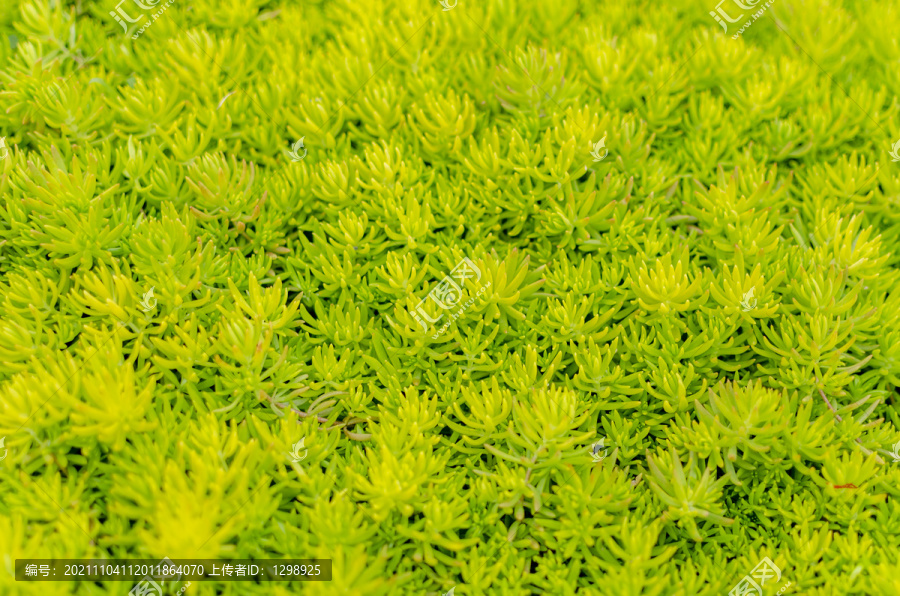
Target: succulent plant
pixel 233 322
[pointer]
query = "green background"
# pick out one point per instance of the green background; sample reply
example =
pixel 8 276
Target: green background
pixel 619 305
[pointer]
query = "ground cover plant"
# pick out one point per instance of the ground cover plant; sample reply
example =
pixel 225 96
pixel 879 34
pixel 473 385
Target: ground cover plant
pixel 485 298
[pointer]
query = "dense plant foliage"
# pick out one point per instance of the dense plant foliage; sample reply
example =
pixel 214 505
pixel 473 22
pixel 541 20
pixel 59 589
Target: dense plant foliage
pixel 716 298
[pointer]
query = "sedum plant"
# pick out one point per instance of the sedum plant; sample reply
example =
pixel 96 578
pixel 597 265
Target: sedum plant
pixel 490 298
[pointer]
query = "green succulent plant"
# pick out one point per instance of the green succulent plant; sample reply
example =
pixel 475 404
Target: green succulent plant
pixel 228 235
